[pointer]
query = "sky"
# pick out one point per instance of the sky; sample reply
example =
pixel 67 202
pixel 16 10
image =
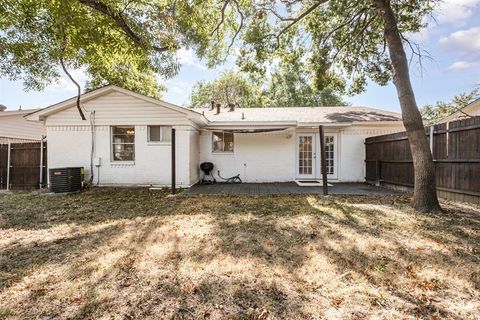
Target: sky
pixel 452 40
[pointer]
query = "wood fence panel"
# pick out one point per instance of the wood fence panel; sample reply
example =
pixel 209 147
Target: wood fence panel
pixel 24 165
pixel 456 152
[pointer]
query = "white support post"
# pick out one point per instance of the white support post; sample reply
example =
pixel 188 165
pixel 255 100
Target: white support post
pixel 8 166
pixel 41 164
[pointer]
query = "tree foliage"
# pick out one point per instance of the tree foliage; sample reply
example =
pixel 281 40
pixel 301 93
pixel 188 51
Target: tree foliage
pixel 115 41
pixel 281 89
pixel 443 109
pixel 230 87
pixel 339 44
pixel 290 84
pixel 287 84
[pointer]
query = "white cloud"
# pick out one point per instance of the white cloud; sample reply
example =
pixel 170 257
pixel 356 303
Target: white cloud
pixel 464 41
pixel 420 36
pixel 462 65
pixel 180 87
pixel 65 84
pixel 456 12
pixel 187 57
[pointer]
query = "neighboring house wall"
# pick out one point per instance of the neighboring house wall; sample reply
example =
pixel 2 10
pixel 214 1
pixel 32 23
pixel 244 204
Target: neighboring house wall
pixel 69 141
pixel 15 128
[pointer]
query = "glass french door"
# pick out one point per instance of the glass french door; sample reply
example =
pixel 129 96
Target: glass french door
pixel 306 145
pixel 308 156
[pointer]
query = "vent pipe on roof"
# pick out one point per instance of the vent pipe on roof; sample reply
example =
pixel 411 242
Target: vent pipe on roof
pixel 213 105
pixel 2 108
pixel 231 106
pixel 218 108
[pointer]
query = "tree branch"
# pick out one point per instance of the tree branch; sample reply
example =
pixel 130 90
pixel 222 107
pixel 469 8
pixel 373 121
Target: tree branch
pixel 344 24
pixel 62 63
pixel 118 18
pixel 297 19
pixel 239 27
pixel 224 7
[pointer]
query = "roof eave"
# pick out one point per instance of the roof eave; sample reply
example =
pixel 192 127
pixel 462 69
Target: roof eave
pixel 250 124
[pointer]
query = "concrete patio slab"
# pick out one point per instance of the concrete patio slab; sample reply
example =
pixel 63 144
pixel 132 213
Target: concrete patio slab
pixel 284 188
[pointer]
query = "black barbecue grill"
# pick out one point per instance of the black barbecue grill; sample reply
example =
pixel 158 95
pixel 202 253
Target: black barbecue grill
pixel 207 168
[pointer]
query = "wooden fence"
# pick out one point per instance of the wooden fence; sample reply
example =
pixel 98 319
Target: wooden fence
pixel 456 152
pixel 23 165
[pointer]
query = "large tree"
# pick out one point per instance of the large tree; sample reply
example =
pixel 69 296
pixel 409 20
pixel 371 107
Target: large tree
pixel 356 40
pixel 353 40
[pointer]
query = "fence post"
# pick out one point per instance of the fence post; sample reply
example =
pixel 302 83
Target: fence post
pixel 41 163
pixel 8 165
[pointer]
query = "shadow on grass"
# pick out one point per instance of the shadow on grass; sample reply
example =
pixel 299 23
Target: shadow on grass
pixel 394 271
pixel 250 262
pixel 31 210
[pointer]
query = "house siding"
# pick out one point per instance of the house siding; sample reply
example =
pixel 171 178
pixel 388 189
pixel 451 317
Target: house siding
pixel 119 109
pixel 194 156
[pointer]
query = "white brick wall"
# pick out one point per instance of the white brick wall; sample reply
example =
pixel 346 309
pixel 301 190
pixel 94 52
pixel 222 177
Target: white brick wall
pixel 257 157
pixel 271 157
pixel 70 146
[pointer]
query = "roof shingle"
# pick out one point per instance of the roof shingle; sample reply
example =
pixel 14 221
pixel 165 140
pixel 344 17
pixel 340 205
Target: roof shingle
pixel 301 114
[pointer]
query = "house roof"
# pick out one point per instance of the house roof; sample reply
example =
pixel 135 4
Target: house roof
pixel 13 126
pixel 472 109
pixel 325 115
pixel 293 116
pixel 9 113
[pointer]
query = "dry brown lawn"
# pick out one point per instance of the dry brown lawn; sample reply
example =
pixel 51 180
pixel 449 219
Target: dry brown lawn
pixel 135 254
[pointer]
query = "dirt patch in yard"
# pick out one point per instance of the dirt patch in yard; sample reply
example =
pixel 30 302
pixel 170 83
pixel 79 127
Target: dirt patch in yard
pixel 135 254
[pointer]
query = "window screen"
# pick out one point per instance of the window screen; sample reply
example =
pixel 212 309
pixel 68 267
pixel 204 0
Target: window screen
pixel 123 143
pixel 159 133
pixel 222 142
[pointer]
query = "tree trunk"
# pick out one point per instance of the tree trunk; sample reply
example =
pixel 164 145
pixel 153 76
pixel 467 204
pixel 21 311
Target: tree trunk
pixel 425 193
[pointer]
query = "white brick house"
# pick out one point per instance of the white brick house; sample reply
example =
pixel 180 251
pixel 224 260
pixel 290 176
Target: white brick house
pixel 126 139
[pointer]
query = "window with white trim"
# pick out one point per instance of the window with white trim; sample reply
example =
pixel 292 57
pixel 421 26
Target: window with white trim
pixel 159 133
pixel 222 142
pixel 123 143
